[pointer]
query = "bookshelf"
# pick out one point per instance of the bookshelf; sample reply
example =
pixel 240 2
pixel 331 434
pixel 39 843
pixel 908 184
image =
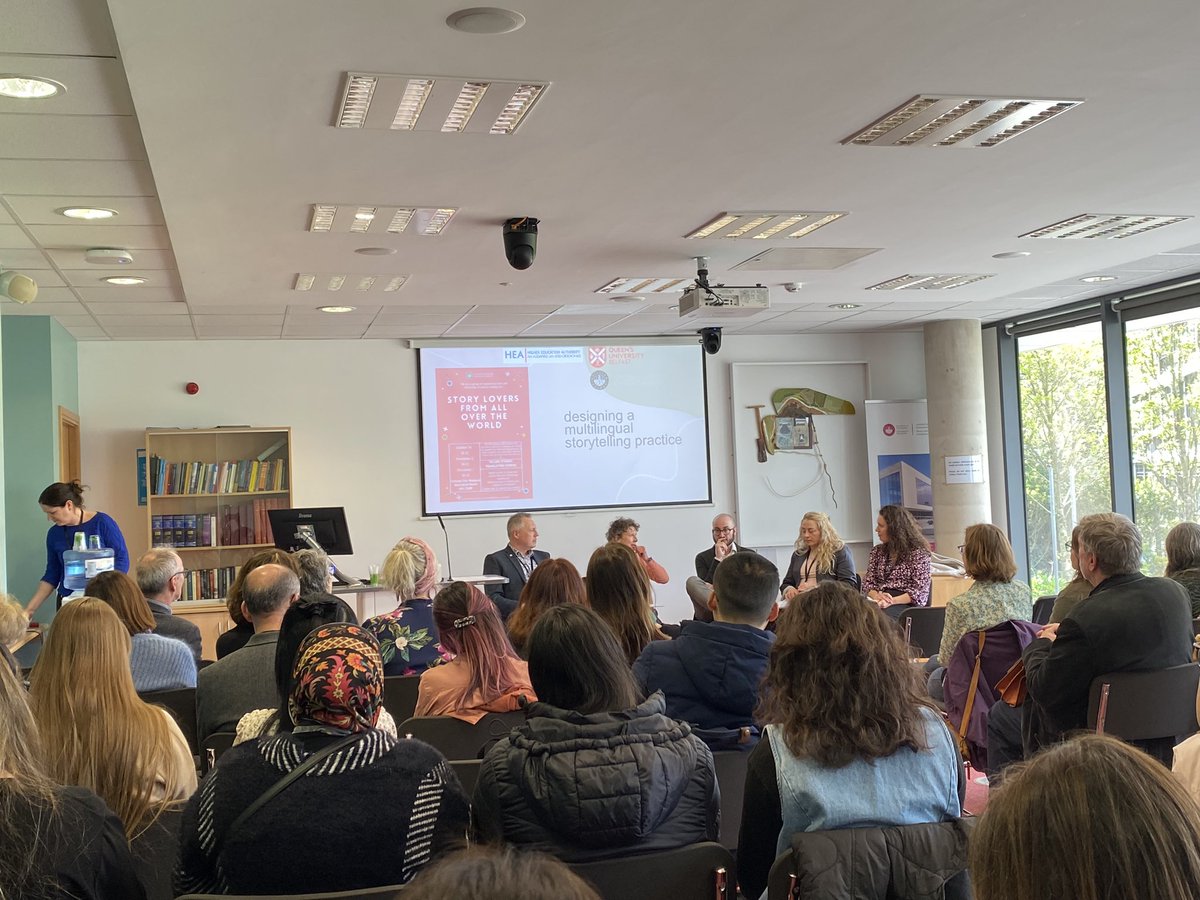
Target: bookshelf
pixel 208 492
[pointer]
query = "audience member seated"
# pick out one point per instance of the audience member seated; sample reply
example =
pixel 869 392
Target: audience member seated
pixel 96 732
pixel 237 637
pixel 242 681
pixel 1186 761
pixel 699 586
pixel 619 590
pixel 312 568
pixel 851 741
pixel 899 567
pixel 592 773
pixel 160 576
pixel 56 841
pixel 301 617
pixel 1090 818
pixel 515 562
pixel 369 810
pixel 1129 622
pixel 711 672
pixel 553 583
pixel 625 531
pixel 408 636
pixel 485 675
pixel 1183 560
pixel 13 622
pixel 484 873
pixel 1075 590
pixel 993 598
pixel 158 663
pixel 820 555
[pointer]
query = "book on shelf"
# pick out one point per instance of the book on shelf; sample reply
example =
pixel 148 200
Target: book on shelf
pixel 227 477
pixel 208 584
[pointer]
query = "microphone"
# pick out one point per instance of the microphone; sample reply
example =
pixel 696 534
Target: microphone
pixel 446 534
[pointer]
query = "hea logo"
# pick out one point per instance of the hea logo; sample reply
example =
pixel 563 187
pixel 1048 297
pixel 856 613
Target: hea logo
pixel 514 354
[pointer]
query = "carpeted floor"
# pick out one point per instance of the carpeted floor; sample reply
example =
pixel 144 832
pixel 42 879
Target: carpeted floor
pixel 977 794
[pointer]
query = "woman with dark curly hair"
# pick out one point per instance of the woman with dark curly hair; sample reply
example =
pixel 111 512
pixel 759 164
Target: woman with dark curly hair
pixel 898 569
pixel 850 740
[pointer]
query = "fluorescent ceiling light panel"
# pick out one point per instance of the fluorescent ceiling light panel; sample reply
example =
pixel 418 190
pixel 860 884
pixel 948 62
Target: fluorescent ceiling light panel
pixel 430 220
pixel 644 285
pixel 949 121
pixel 436 103
pixel 938 282
pixel 304 282
pixel 1104 226
pixel 335 281
pixel 764 225
pixel 394 284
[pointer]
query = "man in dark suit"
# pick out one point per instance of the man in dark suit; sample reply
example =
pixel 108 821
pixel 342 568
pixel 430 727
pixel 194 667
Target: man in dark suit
pixel 1128 623
pixel 699 586
pixel 515 562
pixel 160 577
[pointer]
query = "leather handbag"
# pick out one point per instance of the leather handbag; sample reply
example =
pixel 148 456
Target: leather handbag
pixel 1012 686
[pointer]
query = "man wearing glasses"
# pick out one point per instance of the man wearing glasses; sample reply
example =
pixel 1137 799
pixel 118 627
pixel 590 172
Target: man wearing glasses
pixel 160 576
pixel 699 586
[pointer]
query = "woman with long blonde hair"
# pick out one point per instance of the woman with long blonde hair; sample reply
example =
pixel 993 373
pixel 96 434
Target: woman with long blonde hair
pixel 820 555
pixel 96 732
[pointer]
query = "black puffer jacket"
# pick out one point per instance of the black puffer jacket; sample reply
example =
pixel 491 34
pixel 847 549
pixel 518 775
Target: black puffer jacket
pixel 592 786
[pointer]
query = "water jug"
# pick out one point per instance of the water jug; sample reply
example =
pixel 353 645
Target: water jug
pixel 99 559
pixel 74 567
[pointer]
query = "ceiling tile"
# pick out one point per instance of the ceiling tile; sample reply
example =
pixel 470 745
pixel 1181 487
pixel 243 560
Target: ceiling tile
pixel 39 308
pixel 265 322
pixel 45 278
pixel 95 86
pixel 130 210
pixel 403 331
pixel 264 309
pixel 120 308
pixel 13 238
pixel 5 218
pixel 143 321
pixel 77 321
pixel 69 27
pixel 52 294
pixel 142 259
pixel 70 137
pixel 393 316
pixel 239 334
pixel 796 259
pixel 106 294
pixel 84 333
pixel 128 237
pixel 483 331
pixel 315 329
pixel 76 177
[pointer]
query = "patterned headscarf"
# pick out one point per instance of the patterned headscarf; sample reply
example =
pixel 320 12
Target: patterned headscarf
pixel 338 679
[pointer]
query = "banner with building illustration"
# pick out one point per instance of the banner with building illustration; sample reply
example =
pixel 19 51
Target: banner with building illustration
pixel 898 461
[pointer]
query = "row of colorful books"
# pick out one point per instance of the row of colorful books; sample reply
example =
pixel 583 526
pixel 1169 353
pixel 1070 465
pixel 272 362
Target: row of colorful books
pixel 234 525
pixel 231 477
pixel 208 584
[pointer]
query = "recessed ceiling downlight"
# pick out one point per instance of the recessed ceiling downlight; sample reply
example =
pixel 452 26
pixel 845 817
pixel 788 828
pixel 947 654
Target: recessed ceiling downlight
pixel 88 213
pixel 845 305
pixel 376 251
pixel 1098 279
pixel 1011 254
pixel 485 20
pixel 124 280
pixel 336 309
pixel 22 87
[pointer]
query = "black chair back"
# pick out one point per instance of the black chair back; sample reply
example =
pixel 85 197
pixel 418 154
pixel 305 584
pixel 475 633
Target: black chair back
pixel 457 739
pixel 467 771
pixel 731 776
pixel 213 747
pixel 1042 607
pixel 400 695
pixel 155 852
pixel 922 627
pixel 181 704
pixel 699 871
pixel 390 892
pixel 1141 706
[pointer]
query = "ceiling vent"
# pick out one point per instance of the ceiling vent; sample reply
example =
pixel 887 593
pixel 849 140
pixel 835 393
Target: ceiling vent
pixel 380 219
pixel 428 103
pixel 1108 227
pixel 349 283
pixel 764 225
pixel 644 285
pixel 939 282
pixel 941 121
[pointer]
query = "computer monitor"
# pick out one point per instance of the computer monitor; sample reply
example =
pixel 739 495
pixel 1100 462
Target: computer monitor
pixel 326 525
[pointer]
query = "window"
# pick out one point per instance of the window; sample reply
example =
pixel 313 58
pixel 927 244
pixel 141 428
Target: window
pixel 1064 444
pixel 1162 356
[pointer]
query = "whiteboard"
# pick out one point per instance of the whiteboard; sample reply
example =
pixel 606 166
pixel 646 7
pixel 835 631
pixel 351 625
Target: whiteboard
pixel 773 496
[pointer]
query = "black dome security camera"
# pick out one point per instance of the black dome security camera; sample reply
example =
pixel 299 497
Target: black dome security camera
pixel 520 241
pixel 710 339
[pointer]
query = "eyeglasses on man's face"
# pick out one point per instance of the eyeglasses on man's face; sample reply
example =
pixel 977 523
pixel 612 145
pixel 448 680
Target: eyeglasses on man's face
pixel 728 529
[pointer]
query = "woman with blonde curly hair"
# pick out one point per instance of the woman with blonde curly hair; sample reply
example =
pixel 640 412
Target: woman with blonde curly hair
pixel 96 731
pixel 820 555
pixel 408 635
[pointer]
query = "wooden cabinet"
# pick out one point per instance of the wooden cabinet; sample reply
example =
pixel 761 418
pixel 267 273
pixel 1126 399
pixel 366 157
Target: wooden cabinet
pixel 208 493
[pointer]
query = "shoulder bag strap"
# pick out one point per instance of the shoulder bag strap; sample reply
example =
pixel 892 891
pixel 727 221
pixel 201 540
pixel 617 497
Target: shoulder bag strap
pixel 279 786
pixel 970 702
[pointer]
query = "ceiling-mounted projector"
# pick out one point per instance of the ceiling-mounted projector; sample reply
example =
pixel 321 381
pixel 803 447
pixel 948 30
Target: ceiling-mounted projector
pixel 706 300
pixel 18 287
pixel 107 256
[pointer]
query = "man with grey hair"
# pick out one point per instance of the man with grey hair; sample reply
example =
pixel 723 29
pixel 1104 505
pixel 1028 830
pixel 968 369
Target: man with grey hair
pixel 160 577
pixel 1128 623
pixel 315 577
pixel 245 679
pixel 515 562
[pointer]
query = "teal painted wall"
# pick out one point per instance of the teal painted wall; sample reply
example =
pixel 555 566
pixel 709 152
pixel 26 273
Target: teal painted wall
pixel 40 370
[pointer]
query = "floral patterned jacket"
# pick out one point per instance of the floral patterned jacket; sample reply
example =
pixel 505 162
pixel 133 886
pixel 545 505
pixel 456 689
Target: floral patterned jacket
pixel 408 638
pixel 910 575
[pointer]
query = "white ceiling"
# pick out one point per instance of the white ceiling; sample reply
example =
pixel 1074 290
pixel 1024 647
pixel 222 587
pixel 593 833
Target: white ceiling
pixel 660 116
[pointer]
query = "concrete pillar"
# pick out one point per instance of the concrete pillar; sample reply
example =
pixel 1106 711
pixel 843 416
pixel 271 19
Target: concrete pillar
pixel 954 386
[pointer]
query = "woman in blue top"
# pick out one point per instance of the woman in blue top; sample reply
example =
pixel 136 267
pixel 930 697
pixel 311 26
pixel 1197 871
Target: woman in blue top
pixel 62 503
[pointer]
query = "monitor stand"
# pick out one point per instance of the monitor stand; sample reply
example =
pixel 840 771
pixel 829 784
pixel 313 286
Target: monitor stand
pixel 305 533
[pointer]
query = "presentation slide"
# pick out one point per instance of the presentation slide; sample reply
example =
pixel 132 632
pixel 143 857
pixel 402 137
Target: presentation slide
pixel 561 427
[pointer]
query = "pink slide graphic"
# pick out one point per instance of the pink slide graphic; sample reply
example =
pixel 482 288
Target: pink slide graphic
pixel 483 432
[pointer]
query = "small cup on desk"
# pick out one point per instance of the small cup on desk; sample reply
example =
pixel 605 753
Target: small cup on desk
pixel 373 574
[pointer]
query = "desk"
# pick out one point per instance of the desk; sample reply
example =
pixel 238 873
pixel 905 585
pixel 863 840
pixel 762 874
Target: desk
pixel 946 586
pixel 367 600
